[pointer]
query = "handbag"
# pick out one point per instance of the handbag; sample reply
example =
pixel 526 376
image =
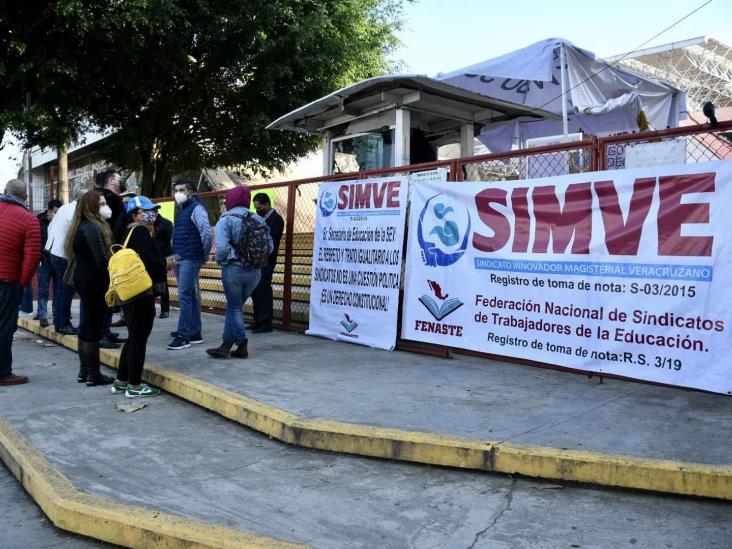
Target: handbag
pixel 68 277
pixel 128 277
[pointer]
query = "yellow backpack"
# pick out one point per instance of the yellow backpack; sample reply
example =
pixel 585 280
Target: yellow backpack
pixel 128 277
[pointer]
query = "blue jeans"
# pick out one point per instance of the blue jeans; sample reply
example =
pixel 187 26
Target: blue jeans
pixel 63 294
pixel 44 281
pixel 189 320
pixel 26 300
pixel 239 282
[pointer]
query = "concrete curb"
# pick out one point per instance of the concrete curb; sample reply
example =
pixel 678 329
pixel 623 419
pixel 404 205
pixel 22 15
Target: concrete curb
pixel 690 479
pixel 104 519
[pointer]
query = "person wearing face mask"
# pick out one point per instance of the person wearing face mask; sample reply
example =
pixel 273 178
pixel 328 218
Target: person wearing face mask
pixel 139 312
pixel 262 294
pixel 191 245
pixel 112 186
pixel 88 243
pixel 120 229
pixel 19 254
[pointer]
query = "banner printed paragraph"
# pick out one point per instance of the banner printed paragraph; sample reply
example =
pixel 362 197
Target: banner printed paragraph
pixel 357 261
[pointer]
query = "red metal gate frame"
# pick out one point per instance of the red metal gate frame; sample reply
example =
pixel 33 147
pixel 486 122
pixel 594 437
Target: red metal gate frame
pixel 597 147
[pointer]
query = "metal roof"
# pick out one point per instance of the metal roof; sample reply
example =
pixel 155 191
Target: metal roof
pixel 701 67
pixel 435 102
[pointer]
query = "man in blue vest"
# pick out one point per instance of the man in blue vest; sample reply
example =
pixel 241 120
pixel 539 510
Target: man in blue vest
pixel 191 246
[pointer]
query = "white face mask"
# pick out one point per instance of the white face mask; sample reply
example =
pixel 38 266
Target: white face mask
pixel 105 212
pixel 181 197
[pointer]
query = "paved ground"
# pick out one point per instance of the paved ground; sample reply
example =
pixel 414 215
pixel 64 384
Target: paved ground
pixel 175 457
pixel 23 525
pixel 463 396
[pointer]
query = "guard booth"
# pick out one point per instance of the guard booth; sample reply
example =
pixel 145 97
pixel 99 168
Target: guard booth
pixel 391 121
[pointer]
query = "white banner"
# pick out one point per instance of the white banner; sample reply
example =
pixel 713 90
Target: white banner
pixel 357 261
pixel 623 271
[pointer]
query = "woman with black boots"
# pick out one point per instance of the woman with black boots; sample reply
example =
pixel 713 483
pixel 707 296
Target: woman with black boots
pixel 88 243
pixel 139 312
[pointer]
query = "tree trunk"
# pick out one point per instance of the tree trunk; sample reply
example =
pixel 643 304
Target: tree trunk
pixel 63 174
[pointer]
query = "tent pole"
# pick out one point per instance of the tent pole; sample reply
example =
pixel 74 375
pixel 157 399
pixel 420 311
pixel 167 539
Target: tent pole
pixel 563 78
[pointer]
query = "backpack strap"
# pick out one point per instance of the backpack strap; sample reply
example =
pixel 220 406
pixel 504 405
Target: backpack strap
pixel 127 240
pixel 116 247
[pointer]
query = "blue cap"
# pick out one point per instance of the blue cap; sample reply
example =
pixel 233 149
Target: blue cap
pixel 141 202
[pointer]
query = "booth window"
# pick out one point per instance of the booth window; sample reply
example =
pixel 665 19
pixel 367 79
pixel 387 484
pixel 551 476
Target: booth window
pixel 364 151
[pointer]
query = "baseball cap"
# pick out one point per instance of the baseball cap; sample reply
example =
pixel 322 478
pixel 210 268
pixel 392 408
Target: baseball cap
pixel 141 202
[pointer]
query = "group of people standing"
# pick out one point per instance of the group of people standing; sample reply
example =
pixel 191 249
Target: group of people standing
pixel 75 248
pixel 192 245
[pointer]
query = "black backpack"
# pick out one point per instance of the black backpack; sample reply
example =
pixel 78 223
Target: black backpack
pixel 253 246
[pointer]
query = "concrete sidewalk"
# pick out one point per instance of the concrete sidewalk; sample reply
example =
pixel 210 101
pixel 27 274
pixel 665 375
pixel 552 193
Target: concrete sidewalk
pixel 23 525
pixel 504 407
pixel 176 460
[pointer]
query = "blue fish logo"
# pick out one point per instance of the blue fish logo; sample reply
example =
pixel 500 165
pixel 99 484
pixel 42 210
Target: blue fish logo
pixel 327 203
pixel 447 233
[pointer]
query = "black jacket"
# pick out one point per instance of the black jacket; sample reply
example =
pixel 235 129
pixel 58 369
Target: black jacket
pixel 115 204
pixel 276 227
pixel 164 235
pixel 147 248
pixel 45 222
pixel 92 255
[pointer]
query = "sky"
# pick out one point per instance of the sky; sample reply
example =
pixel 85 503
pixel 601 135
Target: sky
pixel 442 35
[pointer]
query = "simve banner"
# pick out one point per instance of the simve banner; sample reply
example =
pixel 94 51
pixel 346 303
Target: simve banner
pixel 357 260
pixel 624 272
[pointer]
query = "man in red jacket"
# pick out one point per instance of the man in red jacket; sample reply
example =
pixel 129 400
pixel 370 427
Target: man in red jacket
pixel 20 250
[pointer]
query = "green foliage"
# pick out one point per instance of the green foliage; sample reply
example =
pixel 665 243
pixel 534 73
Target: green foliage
pixel 38 59
pixel 193 83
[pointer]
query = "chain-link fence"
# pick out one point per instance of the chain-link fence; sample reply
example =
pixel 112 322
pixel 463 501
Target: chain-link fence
pixel 296 200
pixel 676 146
pixel 530 163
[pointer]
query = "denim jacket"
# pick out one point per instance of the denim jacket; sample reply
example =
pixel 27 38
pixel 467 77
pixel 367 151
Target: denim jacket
pixel 228 230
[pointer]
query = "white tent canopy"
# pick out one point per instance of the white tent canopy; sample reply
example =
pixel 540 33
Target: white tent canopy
pixel 592 95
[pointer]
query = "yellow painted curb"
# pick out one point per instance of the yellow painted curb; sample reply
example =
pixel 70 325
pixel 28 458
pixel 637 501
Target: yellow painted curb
pixel 673 477
pixel 106 520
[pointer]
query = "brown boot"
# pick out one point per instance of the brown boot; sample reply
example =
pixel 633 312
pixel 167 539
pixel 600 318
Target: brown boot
pixel 240 351
pixel 221 351
pixel 13 380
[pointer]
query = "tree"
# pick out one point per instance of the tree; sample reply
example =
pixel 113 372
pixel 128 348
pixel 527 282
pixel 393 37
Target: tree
pixel 192 84
pixel 38 62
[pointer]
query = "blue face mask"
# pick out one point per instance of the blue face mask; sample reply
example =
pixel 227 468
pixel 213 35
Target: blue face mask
pixel 149 217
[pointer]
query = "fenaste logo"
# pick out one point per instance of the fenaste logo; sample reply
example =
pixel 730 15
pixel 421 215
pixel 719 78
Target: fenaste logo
pixel 443 231
pixel 439 306
pixel 349 325
pixel 539 224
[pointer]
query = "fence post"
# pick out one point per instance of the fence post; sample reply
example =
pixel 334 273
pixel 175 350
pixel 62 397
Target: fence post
pixel 594 155
pixel 456 171
pixel 289 241
pixel 601 154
